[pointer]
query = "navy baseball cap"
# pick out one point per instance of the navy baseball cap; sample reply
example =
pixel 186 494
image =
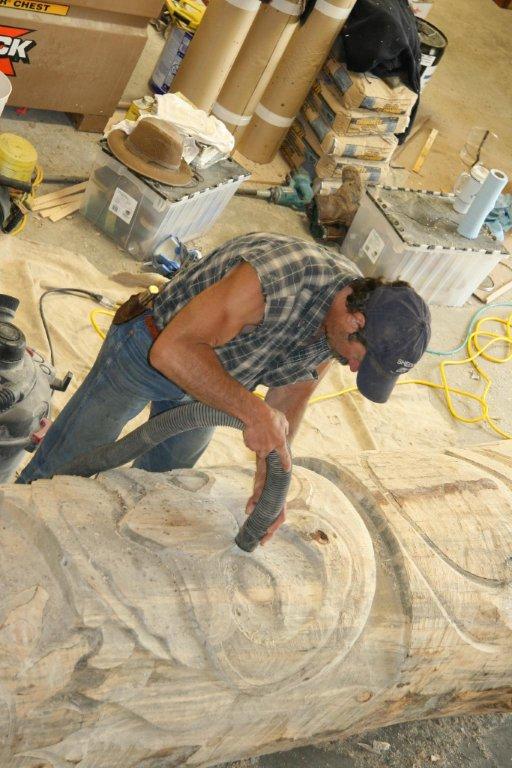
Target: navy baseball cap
pixel 397 332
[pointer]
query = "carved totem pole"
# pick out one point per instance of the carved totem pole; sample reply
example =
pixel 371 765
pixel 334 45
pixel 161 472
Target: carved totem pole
pixel 134 633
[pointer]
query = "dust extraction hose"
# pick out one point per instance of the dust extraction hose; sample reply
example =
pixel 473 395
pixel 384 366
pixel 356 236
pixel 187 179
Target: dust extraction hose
pixel 173 422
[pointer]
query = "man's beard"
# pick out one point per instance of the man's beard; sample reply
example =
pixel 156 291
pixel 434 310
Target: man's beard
pixel 336 355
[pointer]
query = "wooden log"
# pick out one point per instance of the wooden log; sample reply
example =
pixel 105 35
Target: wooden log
pixel 133 631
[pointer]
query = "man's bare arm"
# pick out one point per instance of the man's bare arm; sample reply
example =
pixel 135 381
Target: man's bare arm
pixel 292 400
pixel 185 353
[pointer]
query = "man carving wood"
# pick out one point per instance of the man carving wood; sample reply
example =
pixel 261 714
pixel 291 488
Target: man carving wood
pixel 261 309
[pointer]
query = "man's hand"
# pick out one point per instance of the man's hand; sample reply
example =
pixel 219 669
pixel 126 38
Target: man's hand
pixel 266 432
pixel 259 482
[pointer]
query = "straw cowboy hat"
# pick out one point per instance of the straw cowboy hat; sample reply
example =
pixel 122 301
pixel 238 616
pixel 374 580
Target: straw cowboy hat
pixel 154 149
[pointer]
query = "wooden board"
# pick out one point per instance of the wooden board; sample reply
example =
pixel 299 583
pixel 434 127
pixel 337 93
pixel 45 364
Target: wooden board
pixel 59 212
pixel 500 283
pixel 418 165
pixel 65 210
pixel 53 198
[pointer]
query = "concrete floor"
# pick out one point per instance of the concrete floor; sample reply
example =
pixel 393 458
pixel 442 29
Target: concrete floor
pixel 472 86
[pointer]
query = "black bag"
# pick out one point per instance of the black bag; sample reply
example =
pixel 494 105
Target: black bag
pixel 381 36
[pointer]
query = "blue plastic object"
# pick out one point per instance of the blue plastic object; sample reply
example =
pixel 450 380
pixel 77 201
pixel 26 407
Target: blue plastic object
pixel 170 255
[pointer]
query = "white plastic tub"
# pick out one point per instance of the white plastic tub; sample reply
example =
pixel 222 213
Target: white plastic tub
pixel 412 235
pixel 139 214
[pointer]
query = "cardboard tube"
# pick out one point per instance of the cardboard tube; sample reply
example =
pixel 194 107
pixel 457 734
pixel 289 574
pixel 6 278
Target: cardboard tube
pixel 292 79
pixel 256 63
pixel 213 50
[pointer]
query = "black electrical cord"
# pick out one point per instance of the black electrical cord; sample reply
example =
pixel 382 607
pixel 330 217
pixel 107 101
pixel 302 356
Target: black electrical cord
pixel 97 297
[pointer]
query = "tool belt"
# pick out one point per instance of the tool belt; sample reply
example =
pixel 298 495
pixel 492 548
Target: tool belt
pixel 136 305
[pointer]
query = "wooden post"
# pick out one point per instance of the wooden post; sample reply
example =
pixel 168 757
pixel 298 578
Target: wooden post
pixel 134 632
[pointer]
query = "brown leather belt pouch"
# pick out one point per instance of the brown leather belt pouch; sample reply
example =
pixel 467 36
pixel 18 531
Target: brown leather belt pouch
pixel 136 305
pixel 130 309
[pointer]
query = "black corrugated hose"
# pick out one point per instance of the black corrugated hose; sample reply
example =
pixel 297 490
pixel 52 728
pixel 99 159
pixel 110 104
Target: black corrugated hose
pixel 173 422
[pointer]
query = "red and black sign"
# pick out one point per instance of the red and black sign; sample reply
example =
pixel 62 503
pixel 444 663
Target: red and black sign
pixel 14 48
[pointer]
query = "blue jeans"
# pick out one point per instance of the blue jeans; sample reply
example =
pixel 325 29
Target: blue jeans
pixel 119 385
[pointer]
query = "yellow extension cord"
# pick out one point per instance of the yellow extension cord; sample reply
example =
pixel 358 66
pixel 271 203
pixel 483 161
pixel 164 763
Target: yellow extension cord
pixel 474 349
pixel 23 196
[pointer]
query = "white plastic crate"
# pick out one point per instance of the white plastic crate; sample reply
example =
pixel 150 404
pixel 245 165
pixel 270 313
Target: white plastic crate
pixel 412 235
pixel 138 213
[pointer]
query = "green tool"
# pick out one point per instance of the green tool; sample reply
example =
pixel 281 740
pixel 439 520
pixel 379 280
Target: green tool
pixel 296 194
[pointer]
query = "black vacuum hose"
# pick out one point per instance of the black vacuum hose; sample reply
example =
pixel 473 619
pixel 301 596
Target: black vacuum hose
pixel 7 399
pixel 173 422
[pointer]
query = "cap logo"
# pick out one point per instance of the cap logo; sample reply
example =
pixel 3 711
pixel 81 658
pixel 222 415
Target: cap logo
pixel 403 366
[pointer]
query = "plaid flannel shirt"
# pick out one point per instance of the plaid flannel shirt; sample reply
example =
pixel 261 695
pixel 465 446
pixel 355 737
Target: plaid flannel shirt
pixel 298 279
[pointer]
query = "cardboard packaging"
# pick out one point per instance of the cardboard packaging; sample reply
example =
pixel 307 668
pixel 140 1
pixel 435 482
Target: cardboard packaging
pixel 379 148
pixel 329 167
pixel 146 9
pixel 352 122
pixel 292 79
pixel 73 58
pixel 298 151
pixel 301 149
pixel 368 91
pixel 255 64
pixel 213 50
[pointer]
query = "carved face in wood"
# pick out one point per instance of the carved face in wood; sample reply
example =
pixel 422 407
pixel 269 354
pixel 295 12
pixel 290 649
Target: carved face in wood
pixel 132 627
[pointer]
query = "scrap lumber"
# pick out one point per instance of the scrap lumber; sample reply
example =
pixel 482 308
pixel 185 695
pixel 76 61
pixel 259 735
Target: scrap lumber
pixel 54 203
pixel 64 210
pixel 60 211
pixel 418 165
pixel 44 201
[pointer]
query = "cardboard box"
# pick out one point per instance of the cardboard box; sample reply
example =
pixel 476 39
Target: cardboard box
pixel 79 62
pixel 301 149
pixel 352 122
pixel 147 9
pixel 363 147
pixel 365 90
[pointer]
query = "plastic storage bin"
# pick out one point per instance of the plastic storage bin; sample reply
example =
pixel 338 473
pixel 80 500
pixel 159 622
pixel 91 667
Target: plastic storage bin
pixel 138 213
pixel 412 235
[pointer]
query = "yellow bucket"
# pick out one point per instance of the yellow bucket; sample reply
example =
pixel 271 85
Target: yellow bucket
pixel 18 158
pixel 188 12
